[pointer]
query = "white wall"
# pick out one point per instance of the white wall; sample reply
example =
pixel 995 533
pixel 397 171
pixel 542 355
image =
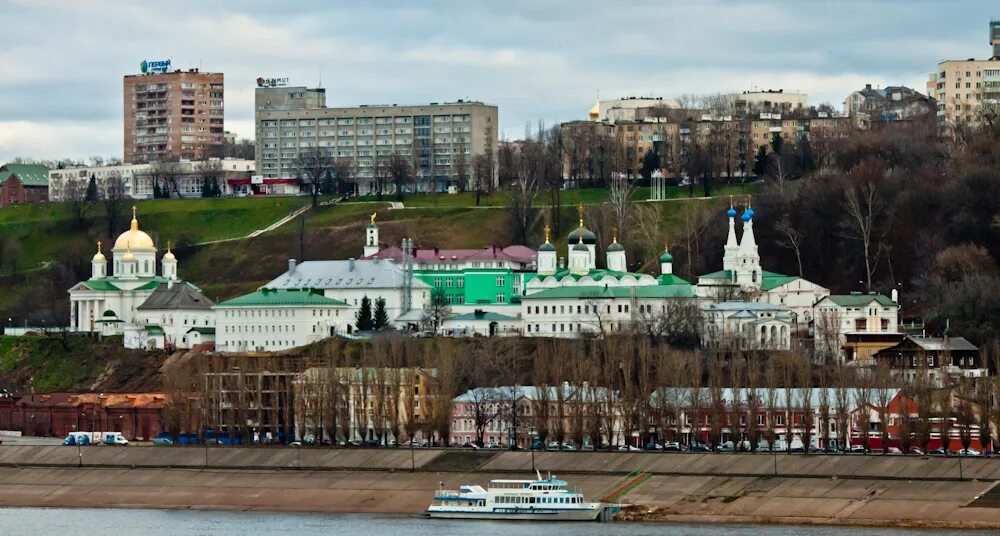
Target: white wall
pixel 274 328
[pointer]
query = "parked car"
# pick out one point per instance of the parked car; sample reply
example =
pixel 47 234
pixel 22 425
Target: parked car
pixel 833 449
pixel 725 447
pixel 672 446
pixel 893 451
pixel 354 443
pixel 653 446
pixel 916 451
pixel 162 441
pixel 858 449
pixel 629 448
pixel 568 446
pixel 966 452
pixel 699 447
pixel 937 452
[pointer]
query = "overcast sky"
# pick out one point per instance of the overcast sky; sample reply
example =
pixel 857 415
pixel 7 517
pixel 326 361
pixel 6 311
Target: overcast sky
pixel 61 63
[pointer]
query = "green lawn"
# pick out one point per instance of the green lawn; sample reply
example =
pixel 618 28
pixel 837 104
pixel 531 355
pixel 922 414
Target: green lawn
pixel 586 196
pixel 34 234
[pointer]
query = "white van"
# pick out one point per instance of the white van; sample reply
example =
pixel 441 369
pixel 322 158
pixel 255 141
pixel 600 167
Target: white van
pixel 113 438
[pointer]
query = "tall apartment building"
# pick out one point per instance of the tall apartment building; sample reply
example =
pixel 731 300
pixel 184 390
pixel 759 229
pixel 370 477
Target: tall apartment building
pixel 439 140
pixel 173 116
pixel 963 87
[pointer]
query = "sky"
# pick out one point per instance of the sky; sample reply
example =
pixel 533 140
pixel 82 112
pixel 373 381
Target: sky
pixel 62 62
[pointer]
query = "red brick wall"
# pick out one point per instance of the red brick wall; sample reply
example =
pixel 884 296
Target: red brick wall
pixel 12 192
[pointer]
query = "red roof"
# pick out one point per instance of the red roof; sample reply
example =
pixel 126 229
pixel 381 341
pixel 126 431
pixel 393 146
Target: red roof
pixel 522 254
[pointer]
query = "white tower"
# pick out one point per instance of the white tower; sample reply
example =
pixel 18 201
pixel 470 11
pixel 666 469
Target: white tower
pixel 547 256
pixel 732 246
pixel 169 264
pixel 99 265
pixel 747 271
pixel 371 237
pixel 616 254
pixel 579 255
pixel 666 262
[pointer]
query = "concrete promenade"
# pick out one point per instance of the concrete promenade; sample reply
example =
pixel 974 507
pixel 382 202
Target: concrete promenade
pixel 318 459
pixel 813 489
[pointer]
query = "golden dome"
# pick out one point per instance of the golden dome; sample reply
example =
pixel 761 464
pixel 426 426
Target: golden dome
pixel 134 237
pixel 99 257
pixel 169 256
pixel 128 257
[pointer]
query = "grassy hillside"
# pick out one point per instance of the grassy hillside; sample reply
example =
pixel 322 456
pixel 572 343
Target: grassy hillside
pixel 31 235
pixel 43 363
pixel 51 254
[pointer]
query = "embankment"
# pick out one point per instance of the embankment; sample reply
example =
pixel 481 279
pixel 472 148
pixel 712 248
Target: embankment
pixel 848 490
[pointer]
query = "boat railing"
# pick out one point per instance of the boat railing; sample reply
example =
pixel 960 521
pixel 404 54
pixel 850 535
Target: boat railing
pixel 447 493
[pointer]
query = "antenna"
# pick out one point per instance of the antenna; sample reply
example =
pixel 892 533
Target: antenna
pixel 320 77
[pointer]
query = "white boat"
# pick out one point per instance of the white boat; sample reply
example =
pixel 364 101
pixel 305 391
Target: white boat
pixel 535 500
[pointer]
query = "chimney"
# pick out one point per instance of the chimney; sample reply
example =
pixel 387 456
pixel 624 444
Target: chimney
pixel 350 264
pixel 895 295
pixel 291 266
pixel 868 86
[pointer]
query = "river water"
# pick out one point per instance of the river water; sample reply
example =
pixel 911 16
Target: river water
pixel 121 522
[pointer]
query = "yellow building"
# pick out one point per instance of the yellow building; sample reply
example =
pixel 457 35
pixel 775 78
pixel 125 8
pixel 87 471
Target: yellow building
pixel 965 88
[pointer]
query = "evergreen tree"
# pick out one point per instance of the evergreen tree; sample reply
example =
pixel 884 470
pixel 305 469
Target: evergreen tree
pixel 776 143
pixel 92 189
pixel 216 190
pixel 364 316
pixel 206 190
pixel 381 320
pixel 760 161
pixel 327 186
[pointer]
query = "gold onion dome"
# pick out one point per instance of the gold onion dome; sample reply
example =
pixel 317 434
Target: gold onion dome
pixel 99 256
pixel 169 256
pixel 134 237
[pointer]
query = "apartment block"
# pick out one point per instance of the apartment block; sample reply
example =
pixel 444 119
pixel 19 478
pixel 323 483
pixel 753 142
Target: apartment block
pixel 440 140
pixel 173 116
pixel 963 88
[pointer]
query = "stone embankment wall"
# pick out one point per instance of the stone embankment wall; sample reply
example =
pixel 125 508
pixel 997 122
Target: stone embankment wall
pixel 758 465
pixel 890 491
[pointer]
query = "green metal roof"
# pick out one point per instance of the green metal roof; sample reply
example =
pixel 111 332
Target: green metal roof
pixel 203 330
pixel 29 174
pixel 596 292
pixel 483 315
pixel 671 279
pixel 267 297
pixel 100 285
pixel 859 300
pixel 721 274
pixel 155 330
pixel 771 280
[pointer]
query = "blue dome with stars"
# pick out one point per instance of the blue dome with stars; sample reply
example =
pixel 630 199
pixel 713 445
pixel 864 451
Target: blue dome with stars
pixel 731 212
pixel 748 214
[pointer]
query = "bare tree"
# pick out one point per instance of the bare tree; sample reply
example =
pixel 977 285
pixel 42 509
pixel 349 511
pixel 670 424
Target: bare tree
pixel 863 208
pixel 312 166
pixel 75 193
pixel 620 194
pixel 114 200
pixel 790 238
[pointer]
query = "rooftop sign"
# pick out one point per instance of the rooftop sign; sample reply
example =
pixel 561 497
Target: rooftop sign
pixel 158 66
pixel 272 82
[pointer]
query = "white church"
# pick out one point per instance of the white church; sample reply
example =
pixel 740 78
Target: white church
pixel 111 301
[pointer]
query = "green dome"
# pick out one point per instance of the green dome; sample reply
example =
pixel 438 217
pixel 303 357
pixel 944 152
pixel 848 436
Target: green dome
pixel 581 247
pixel 588 236
pixel 547 247
pixel 372 226
pixel 666 257
pixel 615 246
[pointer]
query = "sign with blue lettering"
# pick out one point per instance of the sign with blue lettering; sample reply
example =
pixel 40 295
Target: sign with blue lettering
pixel 158 66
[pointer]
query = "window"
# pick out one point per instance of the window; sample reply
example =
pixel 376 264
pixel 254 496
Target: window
pixel 501 298
pixel 501 281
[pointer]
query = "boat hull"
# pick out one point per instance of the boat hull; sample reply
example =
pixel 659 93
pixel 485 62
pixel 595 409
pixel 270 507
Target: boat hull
pixel 505 514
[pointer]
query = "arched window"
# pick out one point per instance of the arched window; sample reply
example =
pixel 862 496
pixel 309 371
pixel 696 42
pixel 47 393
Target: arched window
pixel 753 276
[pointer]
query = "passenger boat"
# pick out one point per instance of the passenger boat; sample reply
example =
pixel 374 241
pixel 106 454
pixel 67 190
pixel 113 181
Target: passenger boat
pixel 535 500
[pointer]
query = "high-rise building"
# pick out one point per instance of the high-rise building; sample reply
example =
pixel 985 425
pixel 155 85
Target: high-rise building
pixel 170 116
pixel 963 88
pixel 440 140
pixel 995 37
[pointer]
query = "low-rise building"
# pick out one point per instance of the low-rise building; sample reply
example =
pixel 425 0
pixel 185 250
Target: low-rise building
pixel 350 281
pixel 855 326
pixel 23 183
pixel 168 315
pixel 174 179
pixel 745 326
pixel 271 320
pixel 940 357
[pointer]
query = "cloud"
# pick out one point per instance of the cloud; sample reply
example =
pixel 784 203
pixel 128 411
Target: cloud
pixel 64 61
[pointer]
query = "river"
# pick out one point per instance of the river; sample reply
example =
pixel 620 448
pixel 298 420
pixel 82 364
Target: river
pixel 122 522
